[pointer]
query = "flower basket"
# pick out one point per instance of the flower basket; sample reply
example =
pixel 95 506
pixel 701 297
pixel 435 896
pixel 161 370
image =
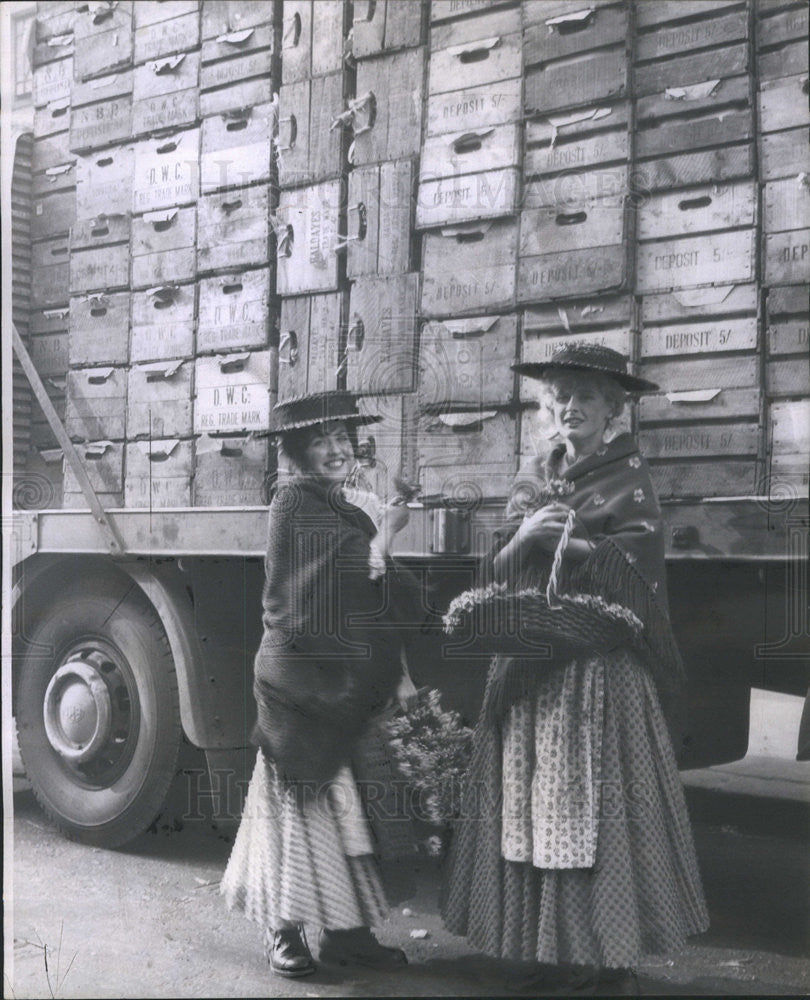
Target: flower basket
pixel 539 624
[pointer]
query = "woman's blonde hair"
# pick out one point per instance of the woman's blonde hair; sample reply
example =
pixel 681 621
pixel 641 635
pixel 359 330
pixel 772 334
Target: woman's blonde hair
pixel 609 388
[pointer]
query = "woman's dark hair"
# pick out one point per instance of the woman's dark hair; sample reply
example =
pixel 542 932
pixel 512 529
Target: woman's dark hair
pixel 294 443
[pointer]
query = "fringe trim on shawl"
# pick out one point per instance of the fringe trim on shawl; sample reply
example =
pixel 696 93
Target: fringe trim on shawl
pixel 606 573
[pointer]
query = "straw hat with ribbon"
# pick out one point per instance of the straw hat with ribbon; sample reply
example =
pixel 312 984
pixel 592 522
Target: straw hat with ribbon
pixel 318 408
pixel 572 356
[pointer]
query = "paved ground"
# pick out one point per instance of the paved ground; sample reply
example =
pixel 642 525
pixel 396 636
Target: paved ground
pixel 149 921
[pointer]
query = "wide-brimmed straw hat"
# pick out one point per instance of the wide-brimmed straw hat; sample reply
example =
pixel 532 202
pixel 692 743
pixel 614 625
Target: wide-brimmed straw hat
pixel 318 408
pixel 575 357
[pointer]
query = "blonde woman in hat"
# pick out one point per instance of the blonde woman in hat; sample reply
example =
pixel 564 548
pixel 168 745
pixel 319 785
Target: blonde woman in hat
pixel 574 849
pixel 329 660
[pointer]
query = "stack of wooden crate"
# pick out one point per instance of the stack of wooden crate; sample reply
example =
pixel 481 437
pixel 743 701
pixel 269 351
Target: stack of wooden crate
pixel 782 30
pixel 233 199
pixel 467 205
pixel 696 267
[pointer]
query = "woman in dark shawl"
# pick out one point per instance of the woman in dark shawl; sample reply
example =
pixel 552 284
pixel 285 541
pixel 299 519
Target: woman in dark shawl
pixel 329 661
pixel 574 849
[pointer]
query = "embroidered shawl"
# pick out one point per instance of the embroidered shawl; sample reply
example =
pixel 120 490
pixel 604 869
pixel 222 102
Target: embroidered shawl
pixel 617 507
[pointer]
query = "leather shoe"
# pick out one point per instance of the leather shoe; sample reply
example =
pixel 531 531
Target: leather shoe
pixel 288 953
pixel 358 946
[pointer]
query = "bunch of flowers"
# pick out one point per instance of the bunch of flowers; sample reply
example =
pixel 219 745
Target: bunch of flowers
pixel 432 749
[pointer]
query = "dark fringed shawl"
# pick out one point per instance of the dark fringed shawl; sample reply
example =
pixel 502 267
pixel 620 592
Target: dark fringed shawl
pixel 329 657
pixel 617 507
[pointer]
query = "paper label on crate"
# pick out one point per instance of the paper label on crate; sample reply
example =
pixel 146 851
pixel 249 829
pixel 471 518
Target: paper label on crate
pixel 694 92
pixel 159 446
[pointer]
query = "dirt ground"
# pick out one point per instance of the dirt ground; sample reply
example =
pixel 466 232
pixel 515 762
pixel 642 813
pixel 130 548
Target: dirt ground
pixel 149 921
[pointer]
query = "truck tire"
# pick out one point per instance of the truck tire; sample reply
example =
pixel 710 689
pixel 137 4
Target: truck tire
pixel 98 714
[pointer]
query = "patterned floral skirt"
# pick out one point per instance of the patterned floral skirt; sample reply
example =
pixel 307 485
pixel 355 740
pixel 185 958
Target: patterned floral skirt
pixel 313 864
pixel 574 844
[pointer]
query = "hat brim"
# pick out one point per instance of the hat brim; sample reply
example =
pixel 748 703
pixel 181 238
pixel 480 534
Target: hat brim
pixel 355 418
pixel 539 369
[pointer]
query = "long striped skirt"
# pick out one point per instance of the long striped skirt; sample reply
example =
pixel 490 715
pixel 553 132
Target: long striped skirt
pixel 574 845
pixel 312 863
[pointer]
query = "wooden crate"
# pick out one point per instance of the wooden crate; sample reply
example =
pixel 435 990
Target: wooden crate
pixel 788 377
pixel 103 182
pixel 158 474
pixel 103 269
pixel 585 250
pixel 159 400
pixel 380 219
pixel 467 360
pixel 307 234
pixel 50 273
pixel 100 254
pixel 101 112
pixel 104 463
pixel 787 60
pixel 698 303
pixel 296 44
pixel 380 446
pixel 573 31
pixel 164 247
pixel 51 151
pixel 233 229
pixel 580 151
pixel 467 456
pixel 490 194
pixel 701 167
pixel 58 178
pixel 607 311
pixel 163 323
pixel 103 39
pixel 49 352
pixel 578 80
pixel 248 93
pixel 233 392
pixel 158 35
pixel 703 441
pixel 381 343
pixel 52 82
pixel 688 70
pixel 698 210
pixel 96 404
pixel 719 478
pixel 711 128
pixel 469 268
pixel 673 40
pixel 48 320
pixel 694 374
pixel 707 404
pixel 308 149
pixel 234 311
pixel 448 10
pixel 53 118
pixel 692 98
pixel 166 172
pixel 783 103
pixel 396 83
pixel 788 457
pixel 786 204
pixel 662 11
pixel 783 154
pixel 99 329
pixel 220 17
pixel 231 471
pixel 474 52
pixel 721 259
pixel 53 214
pixel 706 337
pixel 236 148
pixel 309 345
pixel 235 56
pixel 787 257
pixel 166 93
pixel 41 484
pixel 782 27
pixel 787 336
pixel 385 25
pixel 474 109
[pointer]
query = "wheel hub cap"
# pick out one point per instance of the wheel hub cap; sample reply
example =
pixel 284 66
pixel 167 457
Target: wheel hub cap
pixel 77 711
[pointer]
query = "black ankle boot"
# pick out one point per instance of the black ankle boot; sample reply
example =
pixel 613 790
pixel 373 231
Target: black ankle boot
pixel 288 953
